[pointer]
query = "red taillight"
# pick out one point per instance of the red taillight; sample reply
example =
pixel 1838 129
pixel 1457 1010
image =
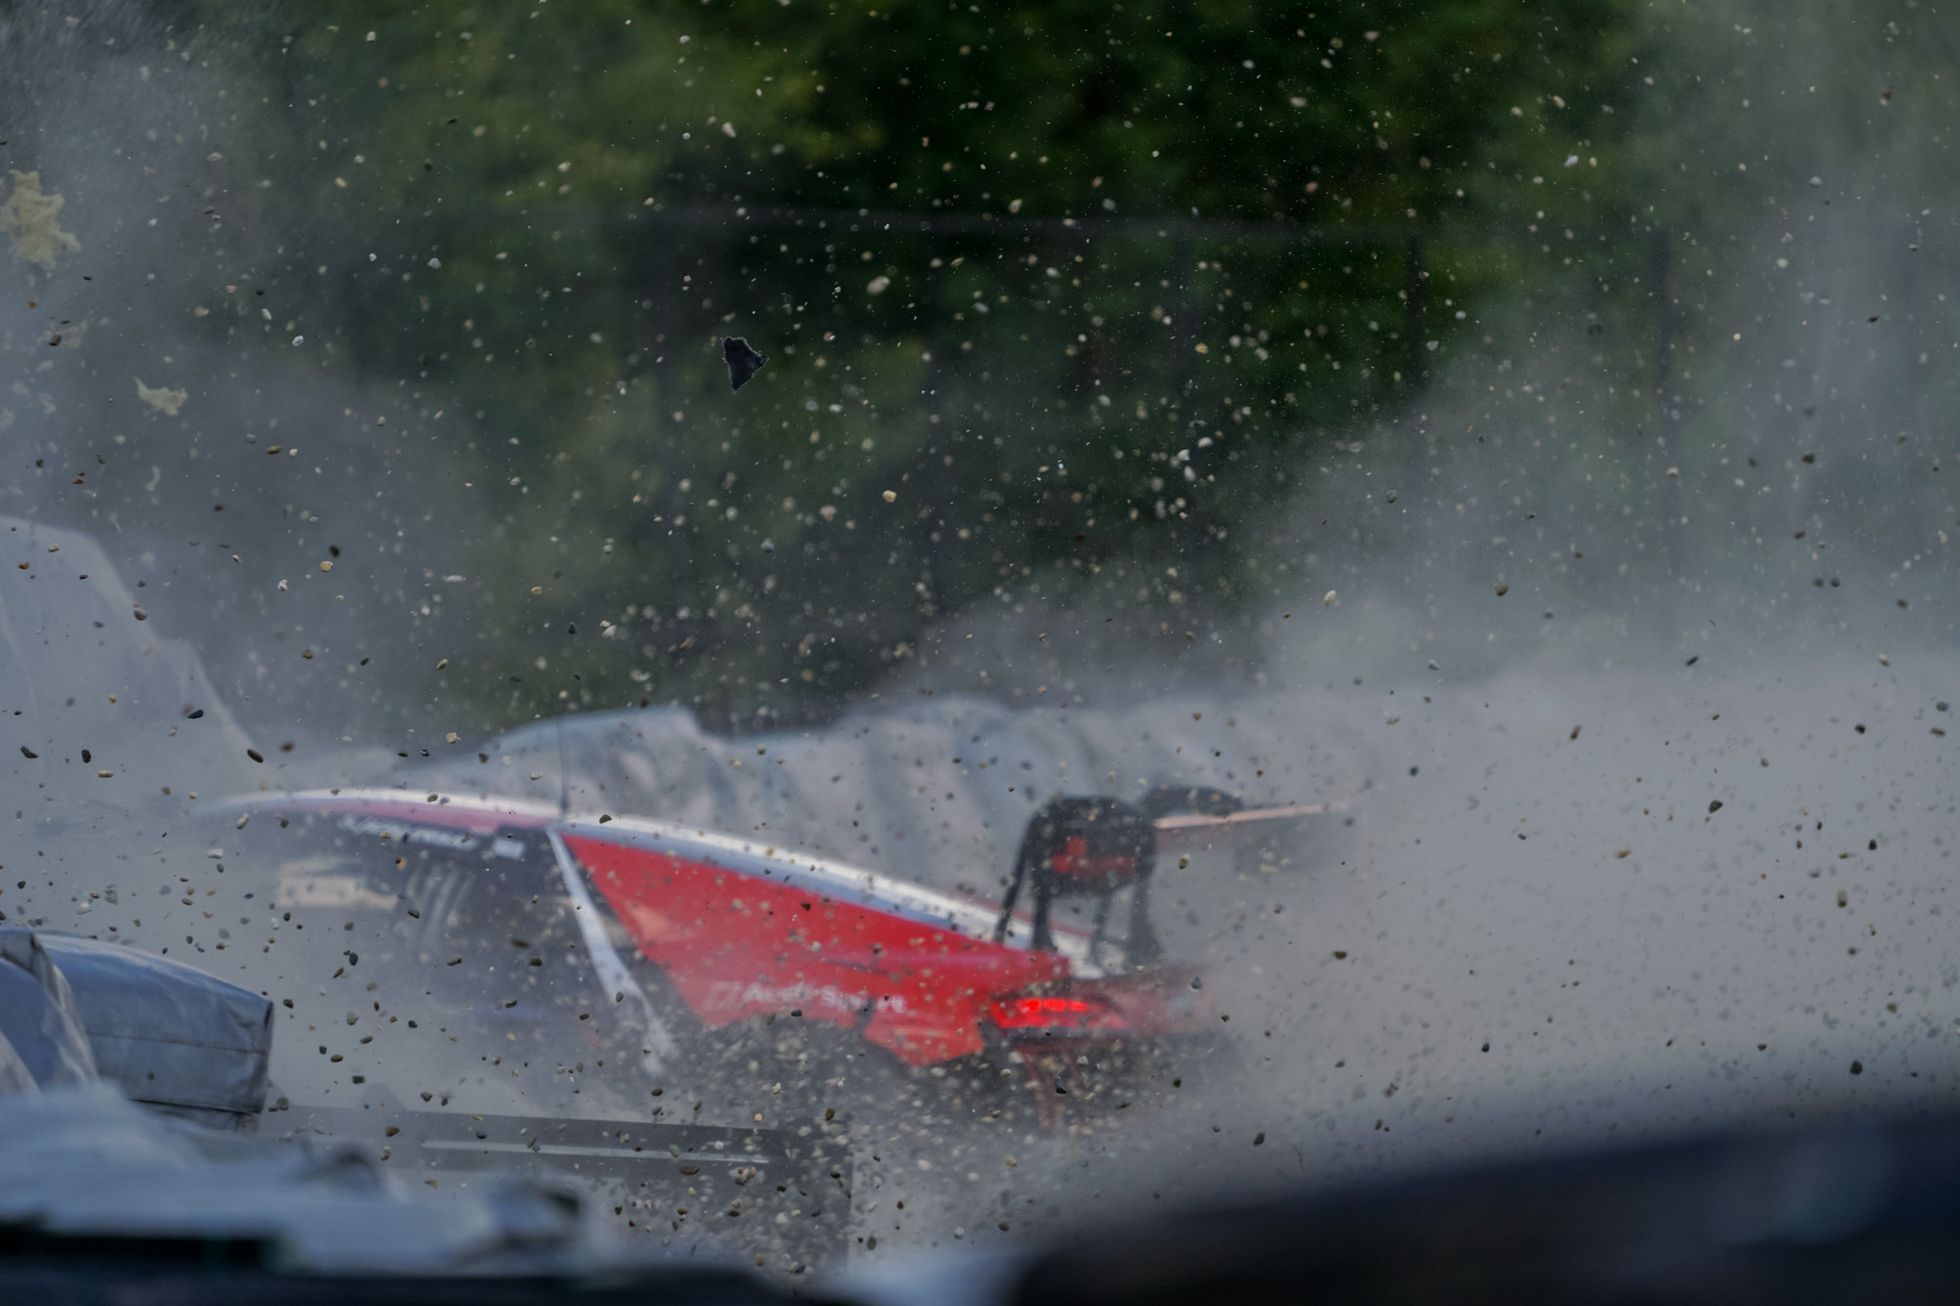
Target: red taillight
pixel 1074 861
pixel 1039 1011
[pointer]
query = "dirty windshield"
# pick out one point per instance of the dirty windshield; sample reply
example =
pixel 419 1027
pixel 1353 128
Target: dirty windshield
pixel 867 630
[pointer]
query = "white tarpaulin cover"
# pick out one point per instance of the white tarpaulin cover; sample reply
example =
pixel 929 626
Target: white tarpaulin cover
pixel 73 1010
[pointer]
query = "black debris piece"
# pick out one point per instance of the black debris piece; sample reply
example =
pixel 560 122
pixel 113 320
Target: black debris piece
pixel 743 362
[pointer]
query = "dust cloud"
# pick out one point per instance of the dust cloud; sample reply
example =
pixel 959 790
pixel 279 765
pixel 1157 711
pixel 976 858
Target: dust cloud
pixel 1639 682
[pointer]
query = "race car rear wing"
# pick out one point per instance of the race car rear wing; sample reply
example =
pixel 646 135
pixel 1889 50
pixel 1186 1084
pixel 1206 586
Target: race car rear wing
pixel 1098 847
pixel 1193 831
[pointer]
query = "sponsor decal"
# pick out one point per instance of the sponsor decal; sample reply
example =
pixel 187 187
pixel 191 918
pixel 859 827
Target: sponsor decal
pixel 724 994
pixel 422 834
pixel 303 886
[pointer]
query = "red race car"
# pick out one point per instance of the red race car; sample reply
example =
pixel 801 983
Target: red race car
pixel 510 945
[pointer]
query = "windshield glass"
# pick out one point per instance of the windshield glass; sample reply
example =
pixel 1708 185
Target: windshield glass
pixel 576 548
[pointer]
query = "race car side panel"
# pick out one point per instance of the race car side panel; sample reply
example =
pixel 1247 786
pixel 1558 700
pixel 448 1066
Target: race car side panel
pixel 737 947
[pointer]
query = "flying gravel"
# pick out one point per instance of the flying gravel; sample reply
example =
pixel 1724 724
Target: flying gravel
pixel 743 362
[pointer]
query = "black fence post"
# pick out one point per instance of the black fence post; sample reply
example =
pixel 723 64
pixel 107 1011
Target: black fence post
pixel 1669 545
pixel 1415 312
pixel 1191 533
pixel 1415 326
pixel 673 544
pixel 1660 275
pixel 936 474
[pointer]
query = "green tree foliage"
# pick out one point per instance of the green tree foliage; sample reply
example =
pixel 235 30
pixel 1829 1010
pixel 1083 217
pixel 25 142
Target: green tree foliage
pixel 1075 285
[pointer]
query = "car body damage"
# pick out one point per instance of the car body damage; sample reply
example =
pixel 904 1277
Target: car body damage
pixel 660 936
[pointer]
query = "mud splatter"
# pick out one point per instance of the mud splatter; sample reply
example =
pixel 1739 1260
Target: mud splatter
pixel 30 220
